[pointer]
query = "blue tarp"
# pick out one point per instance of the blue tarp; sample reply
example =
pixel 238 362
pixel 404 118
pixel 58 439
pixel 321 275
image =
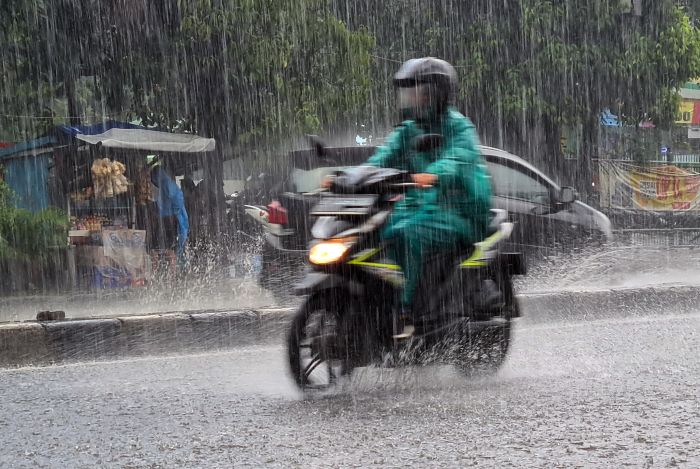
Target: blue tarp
pixel 9 152
pixel 28 177
pixel 62 134
pixel 95 129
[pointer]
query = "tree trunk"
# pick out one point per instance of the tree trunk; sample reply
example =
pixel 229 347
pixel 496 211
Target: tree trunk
pixel 589 149
pixel 73 109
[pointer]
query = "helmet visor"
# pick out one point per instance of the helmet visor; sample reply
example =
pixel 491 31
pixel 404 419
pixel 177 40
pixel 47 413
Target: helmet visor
pixel 413 101
pixel 413 97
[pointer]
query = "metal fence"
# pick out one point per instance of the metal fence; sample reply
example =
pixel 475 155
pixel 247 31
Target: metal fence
pixel 659 237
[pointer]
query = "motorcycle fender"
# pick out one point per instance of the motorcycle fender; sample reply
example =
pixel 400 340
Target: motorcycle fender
pixel 319 281
pixel 275 241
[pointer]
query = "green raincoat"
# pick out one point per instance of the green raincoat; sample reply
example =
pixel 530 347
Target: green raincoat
pixel 452 213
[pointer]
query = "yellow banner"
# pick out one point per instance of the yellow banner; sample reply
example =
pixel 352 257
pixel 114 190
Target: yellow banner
pixel 685 112
pixel 663 189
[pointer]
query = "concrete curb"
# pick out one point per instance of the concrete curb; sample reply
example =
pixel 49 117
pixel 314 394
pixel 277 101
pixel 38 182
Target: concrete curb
pixel 36 343
pixel 599 304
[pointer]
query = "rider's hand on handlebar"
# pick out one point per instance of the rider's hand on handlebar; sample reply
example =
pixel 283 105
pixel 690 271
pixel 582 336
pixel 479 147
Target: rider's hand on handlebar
pixel 327 181
pixel 424 179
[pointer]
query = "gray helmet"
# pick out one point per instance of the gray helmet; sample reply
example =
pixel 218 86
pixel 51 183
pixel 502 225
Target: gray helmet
pixel 438 75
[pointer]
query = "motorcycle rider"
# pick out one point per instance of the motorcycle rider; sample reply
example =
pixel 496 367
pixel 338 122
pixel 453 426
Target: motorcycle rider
pixel 451 206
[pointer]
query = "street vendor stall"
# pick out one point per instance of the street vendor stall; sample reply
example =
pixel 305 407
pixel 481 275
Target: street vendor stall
pixel 111 202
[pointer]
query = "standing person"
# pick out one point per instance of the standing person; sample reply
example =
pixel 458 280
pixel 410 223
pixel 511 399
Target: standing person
pixel 171 207
pixel 189 190
pixel 451 206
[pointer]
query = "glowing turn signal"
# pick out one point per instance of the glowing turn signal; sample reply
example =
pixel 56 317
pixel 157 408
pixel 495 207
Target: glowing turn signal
pixel 327 252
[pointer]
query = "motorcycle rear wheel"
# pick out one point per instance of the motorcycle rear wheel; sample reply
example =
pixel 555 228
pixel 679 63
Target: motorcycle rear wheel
pixel 483 352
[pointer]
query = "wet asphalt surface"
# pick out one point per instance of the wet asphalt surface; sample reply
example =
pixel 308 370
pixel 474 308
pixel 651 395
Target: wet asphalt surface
pixel 603 391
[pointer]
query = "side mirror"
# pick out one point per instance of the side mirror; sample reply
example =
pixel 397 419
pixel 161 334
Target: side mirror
pixel 567 195
pixel 427 142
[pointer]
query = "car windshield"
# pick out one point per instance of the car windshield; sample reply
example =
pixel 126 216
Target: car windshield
pixel 511 183
pixel 308 169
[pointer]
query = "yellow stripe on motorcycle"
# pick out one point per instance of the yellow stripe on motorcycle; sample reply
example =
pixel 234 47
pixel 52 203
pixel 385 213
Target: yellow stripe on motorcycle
pixel 477 258
pixel 362 261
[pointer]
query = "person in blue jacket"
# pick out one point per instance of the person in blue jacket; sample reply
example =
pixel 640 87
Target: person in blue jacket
pixel 175 224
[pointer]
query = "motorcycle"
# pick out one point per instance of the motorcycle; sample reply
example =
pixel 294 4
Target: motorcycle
pixel 347 319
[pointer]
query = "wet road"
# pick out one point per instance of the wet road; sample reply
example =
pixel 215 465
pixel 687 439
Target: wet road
pixel 604 392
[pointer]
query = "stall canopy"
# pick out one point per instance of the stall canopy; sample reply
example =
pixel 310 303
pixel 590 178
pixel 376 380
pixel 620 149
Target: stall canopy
pixel 94 129
pixel 27 164
pixel 150 140
pixel 61 135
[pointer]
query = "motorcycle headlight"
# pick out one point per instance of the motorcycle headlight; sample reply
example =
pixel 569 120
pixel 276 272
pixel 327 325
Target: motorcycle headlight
pixel 329 252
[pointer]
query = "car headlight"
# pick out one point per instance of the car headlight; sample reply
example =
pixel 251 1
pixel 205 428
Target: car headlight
pixel 328 252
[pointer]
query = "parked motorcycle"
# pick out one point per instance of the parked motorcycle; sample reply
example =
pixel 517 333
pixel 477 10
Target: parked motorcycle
pixel 346 320
pixel 245 229
pixel 284 220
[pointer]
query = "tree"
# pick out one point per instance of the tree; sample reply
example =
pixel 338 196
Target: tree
pixel 249 72
pixel 25 91
pixel 246 72
pixel 530 68
pixel 234 69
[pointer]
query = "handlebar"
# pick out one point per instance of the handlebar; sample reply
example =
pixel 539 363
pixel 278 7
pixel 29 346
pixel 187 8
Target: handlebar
pixel 368 179
pixel 399 186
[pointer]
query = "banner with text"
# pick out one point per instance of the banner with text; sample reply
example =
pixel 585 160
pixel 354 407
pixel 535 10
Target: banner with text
pixel 661 188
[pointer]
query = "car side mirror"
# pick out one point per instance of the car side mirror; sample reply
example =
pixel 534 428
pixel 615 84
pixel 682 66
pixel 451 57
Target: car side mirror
pixel 567 195
pixel 427 142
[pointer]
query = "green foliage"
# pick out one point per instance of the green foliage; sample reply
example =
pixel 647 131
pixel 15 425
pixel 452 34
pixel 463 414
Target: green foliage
pixel 235 70
pixel 250 71
pixel 25 90
pixel 27 235
pixel 266 67
pixel 561 61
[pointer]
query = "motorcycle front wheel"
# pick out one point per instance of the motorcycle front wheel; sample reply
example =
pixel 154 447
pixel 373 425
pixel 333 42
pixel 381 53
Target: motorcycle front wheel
pixel 317 345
